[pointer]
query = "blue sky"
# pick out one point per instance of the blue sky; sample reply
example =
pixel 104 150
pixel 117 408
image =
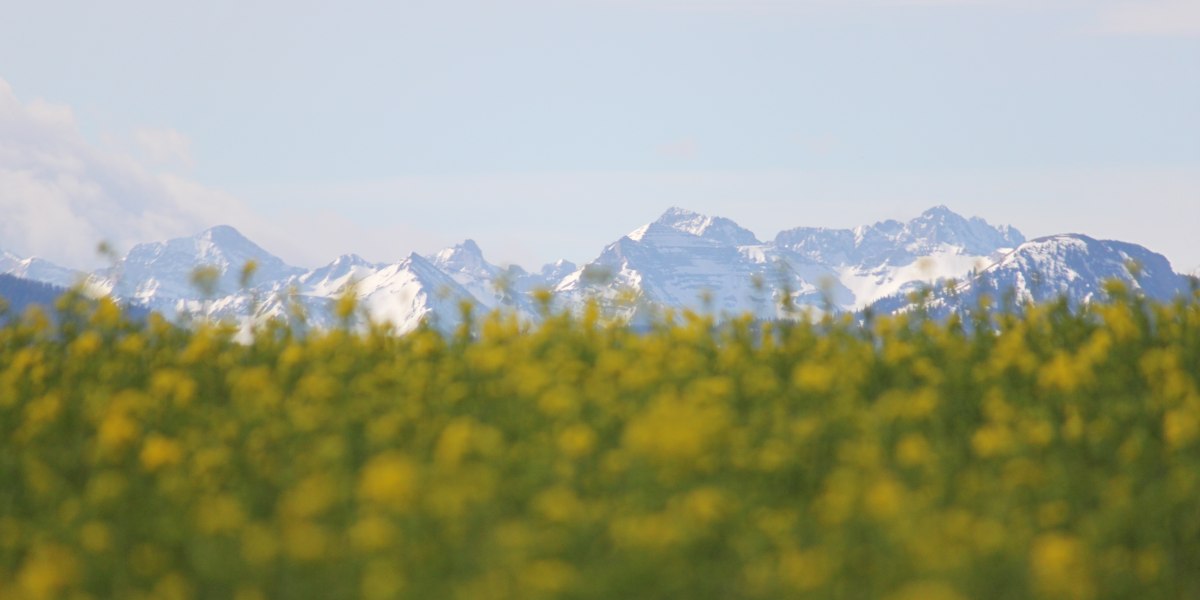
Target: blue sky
pixel 548 129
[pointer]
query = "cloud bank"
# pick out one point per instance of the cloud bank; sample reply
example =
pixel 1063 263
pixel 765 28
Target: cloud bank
pixel 61 195
pixel 1151 17
pixel 164 146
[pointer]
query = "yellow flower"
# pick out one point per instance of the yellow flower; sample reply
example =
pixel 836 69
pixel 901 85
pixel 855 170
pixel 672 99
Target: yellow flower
pixel 47 572
pixel 311 497
pixel 460 437
pixel 305 541
pixel 913 450
pixel 991 440
pixel 105 487
pixel 372 533
pixel 173 586
pixel 674 430
pixel 95 536
pixel 159 452
pixel 885 498
pixel 558 504
pixel 381 580
pixel 1181 427
pixel 926 590
pixel 87 344
pixel 557 401
pixel 813 377
pixel 173 384
pixel 805 570
pixel 1061 373
pixel 117 431
pixel 259 545
pixel 107 313
pixel 576 441
pixel 705 505
pixel 43 411
pixel 547 576
pixel 1060 568
pixel 653 531
pixel 1148 564
pixel 220 514
pixel 389 479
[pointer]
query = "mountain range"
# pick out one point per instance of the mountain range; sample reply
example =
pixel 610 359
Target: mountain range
pixel 680 260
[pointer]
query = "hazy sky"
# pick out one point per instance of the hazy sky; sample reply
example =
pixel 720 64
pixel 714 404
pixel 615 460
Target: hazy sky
pixel 548 129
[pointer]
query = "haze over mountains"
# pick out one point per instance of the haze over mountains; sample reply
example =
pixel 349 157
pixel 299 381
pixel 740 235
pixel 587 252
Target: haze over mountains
pixel 681 260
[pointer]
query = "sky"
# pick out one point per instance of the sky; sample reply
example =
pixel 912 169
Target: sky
pixel 546 129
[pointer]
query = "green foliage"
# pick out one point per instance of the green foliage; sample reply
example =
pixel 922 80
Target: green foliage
pixel 1056 455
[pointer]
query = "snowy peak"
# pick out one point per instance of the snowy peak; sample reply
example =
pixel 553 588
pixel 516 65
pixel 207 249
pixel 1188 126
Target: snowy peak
pixel 554 272
pixel 8 259
pixel 682 259
pixel 820 244
pixel 333 278
pixel 938 230
pixel 464 258
pixel 1077 266
pixel 1071 266
pixel 420 264
pixel 226 236
pixel 159 270
pixel 38 269
pixel 718 230
pixel 410 291
pixel 427 273
pixel 465 265
pixel 347 261
pixel 941 226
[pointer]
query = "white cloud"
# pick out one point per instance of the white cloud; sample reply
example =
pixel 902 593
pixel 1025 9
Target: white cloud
pixel 163 145
pixel 61 195
pixel 1150 17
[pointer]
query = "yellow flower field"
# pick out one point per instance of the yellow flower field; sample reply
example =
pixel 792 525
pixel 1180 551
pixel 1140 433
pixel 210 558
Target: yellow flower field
pixel 1048 455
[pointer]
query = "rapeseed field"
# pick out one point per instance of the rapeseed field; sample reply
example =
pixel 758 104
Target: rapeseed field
pixel 1042 453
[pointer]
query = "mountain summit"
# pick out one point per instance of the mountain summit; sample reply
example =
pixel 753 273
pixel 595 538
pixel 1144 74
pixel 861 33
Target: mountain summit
pixel 716 229
pixel 935 231
pixel 163 270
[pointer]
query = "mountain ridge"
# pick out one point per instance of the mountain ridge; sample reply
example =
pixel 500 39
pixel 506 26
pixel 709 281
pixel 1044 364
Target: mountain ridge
pixel 682 259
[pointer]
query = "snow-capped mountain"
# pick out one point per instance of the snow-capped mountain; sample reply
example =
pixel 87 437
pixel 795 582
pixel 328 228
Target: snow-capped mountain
pixel 1071 266
pixel 464 263
pixel 1076 266
pixel 159 272
pixel 335 278
pixel 556 271
pixel 401 295
pixel 890 257
pixel 411 290
pixel 892 243
pixel 682 259
pixel 40 270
